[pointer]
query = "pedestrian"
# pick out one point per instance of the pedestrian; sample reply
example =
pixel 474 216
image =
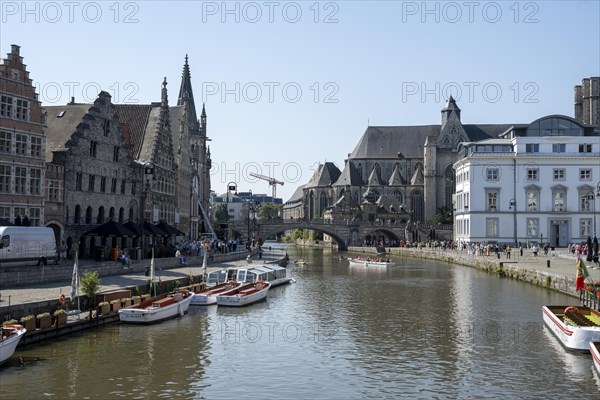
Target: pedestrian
pixel 508 249
pixel 62 252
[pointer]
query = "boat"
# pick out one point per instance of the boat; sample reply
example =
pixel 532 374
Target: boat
pixel 209 295
pixel 595 351
pixel 156 309
pixel 244 295
pixel 10 338
pixel 575 327
pixel 370 262
pixel 274 274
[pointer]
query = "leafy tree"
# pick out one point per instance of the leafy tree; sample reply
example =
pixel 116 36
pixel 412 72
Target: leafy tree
pixel 221 213
pixel 443 215
pixel 269 212
pixel 90 284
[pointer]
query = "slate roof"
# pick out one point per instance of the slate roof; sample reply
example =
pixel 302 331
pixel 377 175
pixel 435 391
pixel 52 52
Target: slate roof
pixel 60 129
pixel 136 118
pixel 297 197
pixel 349 176
pixel 396 179
pixel 325 175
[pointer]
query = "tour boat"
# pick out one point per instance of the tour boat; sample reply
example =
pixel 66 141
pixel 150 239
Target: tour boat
pixel 368 262
pixel 575 327
pixel 595 350
pixel 244 295
pixel 274 274
pixel 209 295
pixel 10 338
pixel 156 309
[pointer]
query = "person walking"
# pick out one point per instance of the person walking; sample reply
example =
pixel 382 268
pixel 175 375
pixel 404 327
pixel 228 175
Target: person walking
pixel 62 252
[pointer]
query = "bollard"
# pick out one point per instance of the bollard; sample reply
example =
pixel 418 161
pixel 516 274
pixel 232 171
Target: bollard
pixel 498 254
pixel 548 263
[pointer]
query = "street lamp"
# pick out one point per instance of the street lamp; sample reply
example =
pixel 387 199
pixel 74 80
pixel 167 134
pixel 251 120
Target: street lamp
pixel 249 214
pixel 231 186
pixel 513 206
pixel 149 178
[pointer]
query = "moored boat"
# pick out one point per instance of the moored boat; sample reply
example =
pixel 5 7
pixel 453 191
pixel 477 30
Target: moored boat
pixel 370 262
pixel 209 295
pixel 156 309
pixel 575 327
pixel 595 351
pixel 244 295
pixel 10 338
pixel 274 274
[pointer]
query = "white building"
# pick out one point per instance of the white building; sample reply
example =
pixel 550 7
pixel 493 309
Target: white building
pixel 536 183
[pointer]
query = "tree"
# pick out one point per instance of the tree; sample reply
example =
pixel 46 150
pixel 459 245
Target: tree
pixel 221 213
pixel 90 283
pixel 443 215
pixel 269 212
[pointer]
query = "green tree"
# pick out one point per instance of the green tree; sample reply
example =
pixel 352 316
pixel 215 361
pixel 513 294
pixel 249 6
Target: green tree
pixel 90 284
pixel 443 215
pixel 221 213
pixel 269 212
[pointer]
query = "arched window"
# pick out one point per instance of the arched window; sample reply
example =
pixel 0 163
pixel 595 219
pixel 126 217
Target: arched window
pixel 111 213
pixel 322 203
pixel 88 215
pixel 359 169
pixel 121 215
pixel 100 218
pixel 450 186
pixel 418 206
pixel 131 214
pixel 377 169
pixel 77 216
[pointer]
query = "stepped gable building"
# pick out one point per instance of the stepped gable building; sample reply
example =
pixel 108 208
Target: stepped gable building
pixel 85 144
pixel 22 143
pixel 403 172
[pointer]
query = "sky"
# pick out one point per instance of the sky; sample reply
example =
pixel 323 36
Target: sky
pixel 291 84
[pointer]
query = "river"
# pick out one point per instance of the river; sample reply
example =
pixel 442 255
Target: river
pixel 417 330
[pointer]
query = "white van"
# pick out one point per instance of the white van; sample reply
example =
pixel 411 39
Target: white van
pixel 26 245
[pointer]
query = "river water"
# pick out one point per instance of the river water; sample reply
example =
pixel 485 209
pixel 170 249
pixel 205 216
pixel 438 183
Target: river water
pixel 417 330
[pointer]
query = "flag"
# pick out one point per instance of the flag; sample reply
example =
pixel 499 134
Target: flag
pixel 582 273
pixel 74 279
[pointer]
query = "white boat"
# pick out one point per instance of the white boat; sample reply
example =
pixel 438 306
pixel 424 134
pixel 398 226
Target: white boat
pixel 209 295
pixel 156 309
pixel 370 262
pixel 11 336
pixel 595 351
pixel 274 274
pixel 244 295
pixel 575 327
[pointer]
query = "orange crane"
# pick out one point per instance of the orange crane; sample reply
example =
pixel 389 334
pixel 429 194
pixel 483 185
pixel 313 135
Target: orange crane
pixel 272 181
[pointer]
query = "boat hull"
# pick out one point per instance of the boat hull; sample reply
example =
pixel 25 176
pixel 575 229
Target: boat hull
pixel 237 299
pixel 209 296
pixel 575 338
pixel 595 351
pixel 9 345
pixel 367 263
pixel 149 315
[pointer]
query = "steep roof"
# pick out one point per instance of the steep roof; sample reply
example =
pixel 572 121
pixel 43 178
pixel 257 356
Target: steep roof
pixel 396 179
pixel 349 176
pixel 297 196
pixel 325 175
pixel 374 179
pixel 136 117
pixel 62 122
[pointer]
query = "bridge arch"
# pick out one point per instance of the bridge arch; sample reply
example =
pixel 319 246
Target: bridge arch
pixel 340 234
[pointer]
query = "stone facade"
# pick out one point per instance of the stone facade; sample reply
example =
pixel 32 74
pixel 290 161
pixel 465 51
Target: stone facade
pixel 587 102
pixel 87 147
pixel 22 143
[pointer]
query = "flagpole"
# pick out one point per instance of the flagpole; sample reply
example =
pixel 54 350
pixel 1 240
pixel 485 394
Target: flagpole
pixel 77 277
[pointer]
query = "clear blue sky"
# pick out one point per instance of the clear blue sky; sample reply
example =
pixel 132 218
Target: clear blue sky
pixel 290 84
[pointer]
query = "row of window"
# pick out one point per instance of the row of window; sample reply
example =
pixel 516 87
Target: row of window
pixel 103 181
pixel 559 200
pixel 559 148
pixel 100 217
pixel 21 144
pixel 492 227
pixel 493 174
pixel 15 108
pixel 20 180
pixel 94 151
pixel 12 213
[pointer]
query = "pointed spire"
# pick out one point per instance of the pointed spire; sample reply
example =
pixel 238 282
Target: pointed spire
pixel 185 91
pixel 164 99
pixel 203 110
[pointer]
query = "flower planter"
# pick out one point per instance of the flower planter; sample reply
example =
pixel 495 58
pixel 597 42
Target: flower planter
pixel 44 322
pixel 61 319
pixel 136 300
pixel 125 302
pixel 28 324
pixel 104 309
pixel 115 306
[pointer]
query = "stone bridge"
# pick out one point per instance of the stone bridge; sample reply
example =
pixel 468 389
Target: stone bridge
pixel 353 234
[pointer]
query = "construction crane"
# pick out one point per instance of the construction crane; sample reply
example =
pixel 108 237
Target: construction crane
pixel 272 181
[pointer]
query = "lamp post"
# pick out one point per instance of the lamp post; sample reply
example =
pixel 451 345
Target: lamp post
pixel 249 213
pixel 146 186
pixel 231 186
pixel 513 206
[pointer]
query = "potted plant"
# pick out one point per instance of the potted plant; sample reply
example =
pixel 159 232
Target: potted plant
pixel 61 317
pixel 115 305
pixel 28 322
pixel 145 296
pixel 136 300
pixel 44 320
pixel 90 284
pixel 10 322
pixel 104 307
pixel 125 302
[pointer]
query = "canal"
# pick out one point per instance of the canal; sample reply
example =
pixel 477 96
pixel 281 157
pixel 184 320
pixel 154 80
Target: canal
pixel 417 330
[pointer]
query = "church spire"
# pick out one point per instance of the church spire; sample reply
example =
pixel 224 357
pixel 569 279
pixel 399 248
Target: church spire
pixel 185 91
pixel 164 99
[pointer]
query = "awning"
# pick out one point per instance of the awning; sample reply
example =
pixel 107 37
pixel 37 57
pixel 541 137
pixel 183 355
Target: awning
pixel 171 230
pixel 111 228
